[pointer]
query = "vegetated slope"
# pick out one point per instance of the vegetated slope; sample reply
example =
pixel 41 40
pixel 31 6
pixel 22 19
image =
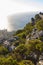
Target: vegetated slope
pixel 28 48
pixel 32 37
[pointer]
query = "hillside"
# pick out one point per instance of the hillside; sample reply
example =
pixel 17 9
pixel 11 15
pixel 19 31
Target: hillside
pixel 25 47
pixel 32 35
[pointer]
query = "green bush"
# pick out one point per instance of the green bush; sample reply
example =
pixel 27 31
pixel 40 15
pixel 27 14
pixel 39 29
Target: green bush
pixel 39 25
pixel 37 17
pixel 26 62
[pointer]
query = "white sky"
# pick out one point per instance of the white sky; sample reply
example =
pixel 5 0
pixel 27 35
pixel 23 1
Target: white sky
pixel 9 7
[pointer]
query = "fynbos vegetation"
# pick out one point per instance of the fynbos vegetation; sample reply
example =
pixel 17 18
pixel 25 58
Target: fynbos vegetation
pixel 26 46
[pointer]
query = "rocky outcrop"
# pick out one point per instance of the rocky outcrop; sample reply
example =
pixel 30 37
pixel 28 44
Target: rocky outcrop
pixel 41 59
pixel 35 34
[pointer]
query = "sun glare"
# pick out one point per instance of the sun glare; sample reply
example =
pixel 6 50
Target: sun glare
pixel 9 7
pixel 3 23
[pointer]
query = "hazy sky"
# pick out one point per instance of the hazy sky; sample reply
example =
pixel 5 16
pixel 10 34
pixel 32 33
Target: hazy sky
pixel 9 7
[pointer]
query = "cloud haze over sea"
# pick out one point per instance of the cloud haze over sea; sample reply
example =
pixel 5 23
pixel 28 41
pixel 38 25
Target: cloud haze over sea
pixel 10 7
pixel 18 21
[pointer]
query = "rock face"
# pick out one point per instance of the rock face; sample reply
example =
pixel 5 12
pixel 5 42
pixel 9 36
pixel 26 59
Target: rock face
pixel 35 34
pixel 41 59
pixel 6 43
pixel 41 15
pixel 33 56
pixel 5 34
pixel 41 33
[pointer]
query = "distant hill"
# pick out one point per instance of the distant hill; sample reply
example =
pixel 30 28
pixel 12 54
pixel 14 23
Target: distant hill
pixel 18 21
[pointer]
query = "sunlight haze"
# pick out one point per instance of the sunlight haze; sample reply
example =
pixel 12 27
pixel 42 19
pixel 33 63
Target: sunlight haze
pixel 10 7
